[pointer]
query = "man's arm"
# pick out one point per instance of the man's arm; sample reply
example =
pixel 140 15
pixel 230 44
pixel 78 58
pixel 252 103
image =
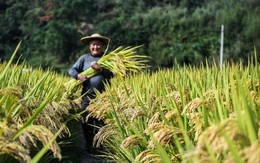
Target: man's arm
pixel 76 68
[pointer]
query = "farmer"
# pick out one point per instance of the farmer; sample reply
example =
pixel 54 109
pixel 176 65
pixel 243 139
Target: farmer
pixel 97 46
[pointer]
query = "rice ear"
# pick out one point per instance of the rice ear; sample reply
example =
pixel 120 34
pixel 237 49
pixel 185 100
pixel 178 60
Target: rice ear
pixel 217 141
pixel 131 141
pixel 148 156
pixel 120 62
pixel 42 134
pixel 104 133
pixel 15 150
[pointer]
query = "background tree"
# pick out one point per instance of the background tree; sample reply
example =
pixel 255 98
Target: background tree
pixel 187 31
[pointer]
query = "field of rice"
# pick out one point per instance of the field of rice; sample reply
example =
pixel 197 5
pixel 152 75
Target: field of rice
pixel 34 111
pixel 183 114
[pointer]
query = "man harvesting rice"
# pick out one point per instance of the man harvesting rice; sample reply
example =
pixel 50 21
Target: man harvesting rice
pixel 97 45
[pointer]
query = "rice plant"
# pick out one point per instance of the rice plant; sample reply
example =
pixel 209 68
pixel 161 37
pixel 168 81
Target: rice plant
pixel 121 61
pixel 33 112
pixel 183 114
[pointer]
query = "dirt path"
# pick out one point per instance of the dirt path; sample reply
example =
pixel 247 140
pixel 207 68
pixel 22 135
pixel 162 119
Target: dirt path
pixel 86 157
pixel 74 151
pixel 89 158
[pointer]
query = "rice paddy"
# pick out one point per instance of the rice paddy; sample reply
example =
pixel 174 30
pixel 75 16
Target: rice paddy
pixel 182 114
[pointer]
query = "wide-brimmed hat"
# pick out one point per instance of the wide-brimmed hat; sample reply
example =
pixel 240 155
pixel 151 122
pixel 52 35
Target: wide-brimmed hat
pixel 86 39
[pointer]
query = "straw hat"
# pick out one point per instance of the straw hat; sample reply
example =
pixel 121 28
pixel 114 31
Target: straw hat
pixel 86 39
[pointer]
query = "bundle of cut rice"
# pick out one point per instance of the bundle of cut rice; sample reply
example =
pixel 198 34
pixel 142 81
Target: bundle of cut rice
pixel 121 61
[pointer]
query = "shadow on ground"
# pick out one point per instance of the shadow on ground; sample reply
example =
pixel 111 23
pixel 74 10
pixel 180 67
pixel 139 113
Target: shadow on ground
pixel 74 149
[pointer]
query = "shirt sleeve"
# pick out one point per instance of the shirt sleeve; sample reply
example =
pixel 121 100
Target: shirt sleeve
pixel 77 68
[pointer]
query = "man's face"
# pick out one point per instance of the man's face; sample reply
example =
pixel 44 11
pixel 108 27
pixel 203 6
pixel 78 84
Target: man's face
pixel 96 47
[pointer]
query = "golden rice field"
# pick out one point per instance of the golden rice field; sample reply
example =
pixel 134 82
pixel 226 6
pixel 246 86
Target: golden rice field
pixel 34 110
pixel 183 114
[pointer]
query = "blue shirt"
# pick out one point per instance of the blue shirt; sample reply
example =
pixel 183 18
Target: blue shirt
pixel 82 64
pixel 96 82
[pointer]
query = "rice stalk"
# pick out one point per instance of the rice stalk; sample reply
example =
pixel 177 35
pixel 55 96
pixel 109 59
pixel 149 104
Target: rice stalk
pixel 15 150
pixel 191 106
pixel 176 97
pixel 4 72
pixel 44 135
pixel 100 107
pixel 206 103
pixel 121 61
pixel 30 98
pixel 251 154
pixel 244 111
pixel 163 136
pixel 35 114
pixel 148 156
pixel 104 133
pixel 137 113
pixel 46 147
pixel 218 142
pixel 131 141
pixel 172 115
pixel 154 119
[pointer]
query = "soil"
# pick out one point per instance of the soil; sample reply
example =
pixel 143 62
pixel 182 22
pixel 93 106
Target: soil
pixel 87 157
pixel 75 152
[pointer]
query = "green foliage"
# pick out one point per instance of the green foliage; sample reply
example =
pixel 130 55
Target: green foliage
pixel 187 31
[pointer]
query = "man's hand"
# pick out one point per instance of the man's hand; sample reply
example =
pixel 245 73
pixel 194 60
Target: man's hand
pixel 82 78
pixel 95 66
